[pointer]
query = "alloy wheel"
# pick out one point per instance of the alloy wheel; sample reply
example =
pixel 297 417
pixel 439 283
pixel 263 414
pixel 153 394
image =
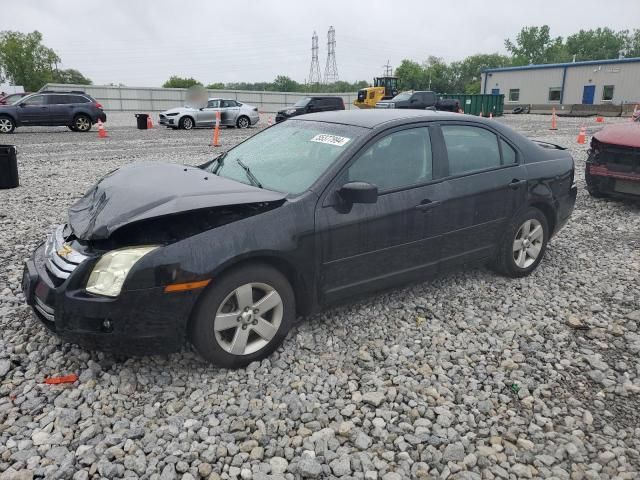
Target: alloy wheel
pixel 527 244
pixel 187 123
pixel 243 122
pixel 83 124
pixel 6 125
pixel 248 318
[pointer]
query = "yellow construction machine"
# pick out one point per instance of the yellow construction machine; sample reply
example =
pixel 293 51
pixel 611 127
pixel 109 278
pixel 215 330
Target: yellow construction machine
pixel 383 88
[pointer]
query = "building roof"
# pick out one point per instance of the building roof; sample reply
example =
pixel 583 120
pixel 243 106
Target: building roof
pixel 562 65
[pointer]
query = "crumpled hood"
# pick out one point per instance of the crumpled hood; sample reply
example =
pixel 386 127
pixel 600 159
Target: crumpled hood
pixel 623 134
pixel 146 190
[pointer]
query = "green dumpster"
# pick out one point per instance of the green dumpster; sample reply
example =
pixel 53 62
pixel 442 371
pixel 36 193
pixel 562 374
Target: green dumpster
pixel 474 104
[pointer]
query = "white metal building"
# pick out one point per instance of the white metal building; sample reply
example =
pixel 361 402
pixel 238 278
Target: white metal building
pixel 593 82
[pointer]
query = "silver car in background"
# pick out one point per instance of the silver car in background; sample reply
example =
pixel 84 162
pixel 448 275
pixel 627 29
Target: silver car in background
pixel 232 113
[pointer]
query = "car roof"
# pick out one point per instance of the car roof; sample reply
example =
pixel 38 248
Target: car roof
pixel 371 118
pixel 221 98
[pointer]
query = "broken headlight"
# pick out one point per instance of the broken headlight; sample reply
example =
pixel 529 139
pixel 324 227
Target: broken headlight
pixel 112 269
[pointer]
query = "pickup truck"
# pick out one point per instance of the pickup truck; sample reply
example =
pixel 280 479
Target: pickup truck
pixel 420 100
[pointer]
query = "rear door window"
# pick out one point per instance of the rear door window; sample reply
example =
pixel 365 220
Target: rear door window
pixel 470 149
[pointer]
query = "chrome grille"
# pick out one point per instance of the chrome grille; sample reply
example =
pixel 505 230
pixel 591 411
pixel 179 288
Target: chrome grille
pixel 60 259
pixel 46 311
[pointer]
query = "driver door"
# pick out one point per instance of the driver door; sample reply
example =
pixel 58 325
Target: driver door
pixel 370 246
pixel 207 116
pixel 34 111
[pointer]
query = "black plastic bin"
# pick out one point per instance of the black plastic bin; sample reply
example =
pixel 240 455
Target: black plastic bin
pixel 8 167
pixel 142 120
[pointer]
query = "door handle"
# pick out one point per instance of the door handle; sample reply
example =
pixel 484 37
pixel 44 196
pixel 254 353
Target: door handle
pixel 426 205
pixel 515 183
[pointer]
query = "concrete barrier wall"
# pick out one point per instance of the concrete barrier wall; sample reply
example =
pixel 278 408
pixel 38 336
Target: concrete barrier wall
pixel 142 99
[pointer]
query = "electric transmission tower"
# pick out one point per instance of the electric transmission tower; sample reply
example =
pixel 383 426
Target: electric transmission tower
pixel 388 70
pixel 331 70
pixel 314 70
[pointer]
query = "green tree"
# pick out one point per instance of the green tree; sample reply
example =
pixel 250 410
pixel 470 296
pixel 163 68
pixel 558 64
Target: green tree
pixel 25 61
pixel 71 76
pixel 468 70
pixel 534 45
pixel 216 86
pixel 282 83
pixel 411 76
pixel 632 44
pixel 179 82
pixel 596 44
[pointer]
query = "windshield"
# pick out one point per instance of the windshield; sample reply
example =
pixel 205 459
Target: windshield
pixel 302 103
pixel 288 157
pixel 402 96
pixel 13 98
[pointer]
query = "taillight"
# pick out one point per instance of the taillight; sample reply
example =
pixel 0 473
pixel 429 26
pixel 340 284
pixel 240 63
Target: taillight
pixel 98 105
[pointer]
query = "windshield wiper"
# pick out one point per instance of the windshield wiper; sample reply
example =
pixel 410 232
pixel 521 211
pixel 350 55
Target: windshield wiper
pixel 252 178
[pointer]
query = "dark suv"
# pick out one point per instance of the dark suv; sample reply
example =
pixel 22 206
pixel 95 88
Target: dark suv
pixel 73 109
pixel 311 105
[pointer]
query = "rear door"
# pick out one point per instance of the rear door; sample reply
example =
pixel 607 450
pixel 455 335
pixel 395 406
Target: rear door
pixel 368 246
pixel 229 112
pixel 486 185
pixel 60 108
pixel 34 111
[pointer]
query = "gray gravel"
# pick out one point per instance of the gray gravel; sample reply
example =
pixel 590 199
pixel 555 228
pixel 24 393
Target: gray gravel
pixel 468 376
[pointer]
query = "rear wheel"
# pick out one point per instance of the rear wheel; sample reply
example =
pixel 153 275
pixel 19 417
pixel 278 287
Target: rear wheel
pixel 243 316
pixel 82 123
pixel 523 244
pixel 7 125
pixel 186 123
pixel 243 122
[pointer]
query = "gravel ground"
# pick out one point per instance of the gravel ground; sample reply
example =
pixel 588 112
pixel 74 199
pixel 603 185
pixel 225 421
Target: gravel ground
pixel 469 376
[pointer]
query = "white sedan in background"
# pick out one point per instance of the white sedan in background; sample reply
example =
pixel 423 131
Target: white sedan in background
pixel 232 114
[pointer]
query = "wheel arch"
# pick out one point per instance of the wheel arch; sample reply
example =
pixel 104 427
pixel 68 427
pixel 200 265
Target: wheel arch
pixel 187 115
pixel 303 292
pixel 550 214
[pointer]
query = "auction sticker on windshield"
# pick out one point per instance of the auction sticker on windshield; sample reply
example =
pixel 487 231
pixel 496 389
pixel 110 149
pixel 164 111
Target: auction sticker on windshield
pixel 331 139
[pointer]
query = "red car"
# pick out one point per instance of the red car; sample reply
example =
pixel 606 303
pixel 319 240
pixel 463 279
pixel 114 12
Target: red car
pixel 12 98
pixel 613 165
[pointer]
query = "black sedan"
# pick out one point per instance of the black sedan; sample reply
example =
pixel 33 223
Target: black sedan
pixel 309 212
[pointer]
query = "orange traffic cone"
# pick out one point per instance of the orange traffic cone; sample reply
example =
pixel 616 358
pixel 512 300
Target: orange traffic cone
pixel 582 136
pixel 216 131
pixel 634 114
pixel 490 115
pixel 269 122
pixel 102 132
pixel 460 110
pixel 599 119
pixel 554 124
pixel 481 113
pixel 149 122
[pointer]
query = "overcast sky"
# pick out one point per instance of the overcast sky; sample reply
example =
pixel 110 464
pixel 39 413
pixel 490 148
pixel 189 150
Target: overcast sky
pixel 143 42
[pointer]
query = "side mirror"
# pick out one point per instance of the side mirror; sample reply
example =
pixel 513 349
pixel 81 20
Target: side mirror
pixel 359 192
pixel 22 105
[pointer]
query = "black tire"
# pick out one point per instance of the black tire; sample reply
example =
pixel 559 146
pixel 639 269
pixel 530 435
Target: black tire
pixel 187 123
pixel 243 122
pixel 505 261
pixel 7 124
pixel 217 296
pixel 72 128
pixel 82 123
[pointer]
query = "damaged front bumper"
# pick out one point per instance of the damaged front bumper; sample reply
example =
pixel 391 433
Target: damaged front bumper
pixel 137 322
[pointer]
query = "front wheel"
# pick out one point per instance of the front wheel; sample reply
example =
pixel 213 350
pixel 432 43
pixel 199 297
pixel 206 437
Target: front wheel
pixel 243 316
pixel 243 122
pixel 7 125
pixel 186 123
pixel 523 244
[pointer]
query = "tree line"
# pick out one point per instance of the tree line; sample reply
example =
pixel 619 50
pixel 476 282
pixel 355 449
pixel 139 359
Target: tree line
pixel 26 61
